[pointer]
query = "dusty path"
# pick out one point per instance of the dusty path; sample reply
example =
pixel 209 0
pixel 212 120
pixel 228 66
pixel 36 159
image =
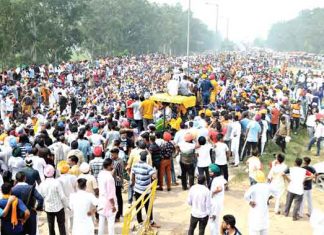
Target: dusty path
pixel 172 213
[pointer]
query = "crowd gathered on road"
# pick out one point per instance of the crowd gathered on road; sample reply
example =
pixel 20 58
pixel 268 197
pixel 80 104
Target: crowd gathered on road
pixel 75 136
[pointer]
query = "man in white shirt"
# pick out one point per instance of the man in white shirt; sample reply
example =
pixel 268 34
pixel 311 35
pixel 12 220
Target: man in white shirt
pixel 318 137
pixel 82 204
pixel 199 200
pixel 60 150
pixel 137 113
pixel 203 157
pixel 235 139
pixel 296 187
pixel 54 200
pixel 16 163
pixel 187 157
pixel 217 194
pixel 9 104
pixel 97 139
pixel 68 183
pixel 264 128
pixel 311 124
pixel 184 86
pixel 257 196
pixel 276 179
pixel 179 136
pixel 254 165
pixel 107 203
pixel 221 156
pixel 70 137
pixel 3 108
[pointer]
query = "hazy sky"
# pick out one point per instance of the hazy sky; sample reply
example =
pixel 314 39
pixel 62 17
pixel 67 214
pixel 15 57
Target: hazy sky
pixel 248 19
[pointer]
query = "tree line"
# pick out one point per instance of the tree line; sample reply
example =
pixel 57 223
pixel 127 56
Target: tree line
pixel 42 31
pixel 303 33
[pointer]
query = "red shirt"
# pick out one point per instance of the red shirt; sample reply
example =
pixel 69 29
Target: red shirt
pixel 129 111
pixel 275 116
pixel 213 134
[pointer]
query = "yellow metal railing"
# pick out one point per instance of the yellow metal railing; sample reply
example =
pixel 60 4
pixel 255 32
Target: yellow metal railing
pixel 146 229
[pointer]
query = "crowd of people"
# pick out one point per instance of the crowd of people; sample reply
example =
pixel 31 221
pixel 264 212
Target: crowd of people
pixel 75 136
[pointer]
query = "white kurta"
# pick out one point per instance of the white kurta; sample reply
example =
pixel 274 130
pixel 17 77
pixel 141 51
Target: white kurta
pixel 275 174
pixel 80 204
pixel 264 131
pixel 235 144
pixel 3 108
pixel 277 181
pixel 259 215
pixel 217 204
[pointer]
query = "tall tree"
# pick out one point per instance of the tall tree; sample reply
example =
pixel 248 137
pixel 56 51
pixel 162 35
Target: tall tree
pixel 303 33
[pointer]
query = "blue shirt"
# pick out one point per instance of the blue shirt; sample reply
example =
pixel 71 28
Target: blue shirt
pixel 85 148
pixel 244 123
pixel 206 86
pixel 6 225
pixel 254 129
pixel 22 190
pixel 31 73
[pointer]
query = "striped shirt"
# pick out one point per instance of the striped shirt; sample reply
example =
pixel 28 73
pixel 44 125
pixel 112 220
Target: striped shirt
pixel 143 176
pixel 54 198
pixel 96 166
pixel 118 172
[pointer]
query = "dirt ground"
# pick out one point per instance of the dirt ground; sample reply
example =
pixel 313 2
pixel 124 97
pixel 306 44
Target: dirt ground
pixel 172 213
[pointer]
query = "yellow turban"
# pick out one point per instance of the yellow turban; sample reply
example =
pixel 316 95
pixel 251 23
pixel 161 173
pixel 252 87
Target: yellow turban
pixel 263 111
pixel 63 167
pixel 260 177
pixel 207 112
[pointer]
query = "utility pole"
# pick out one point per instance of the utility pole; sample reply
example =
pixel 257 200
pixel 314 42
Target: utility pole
pixel 217 15
pixel 217 38
pixel 216 26
pixel 227 28
pixel 188 35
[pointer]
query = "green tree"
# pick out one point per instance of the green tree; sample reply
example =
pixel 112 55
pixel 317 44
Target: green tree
pixel 39 30
pixel 303 33
pixel 42 31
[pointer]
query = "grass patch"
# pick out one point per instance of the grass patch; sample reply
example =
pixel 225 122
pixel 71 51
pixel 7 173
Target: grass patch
pixel 297 147
pixel 239 175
